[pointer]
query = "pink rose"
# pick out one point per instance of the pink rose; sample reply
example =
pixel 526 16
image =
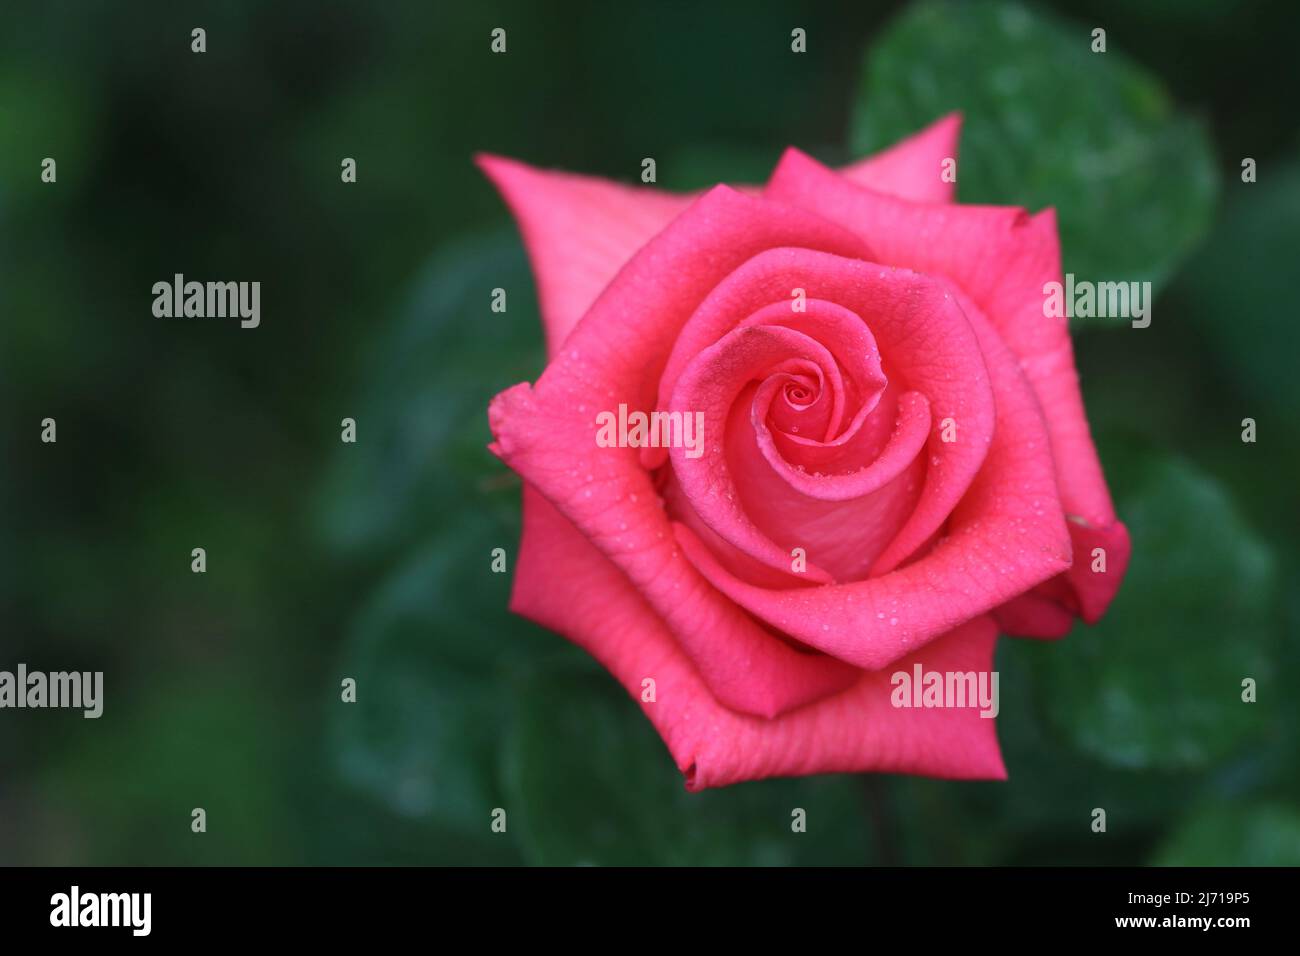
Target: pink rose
pixel 895 462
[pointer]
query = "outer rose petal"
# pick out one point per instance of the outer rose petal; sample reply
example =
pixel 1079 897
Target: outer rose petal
pixel 1002 258
pixel 580 230
pixel 857 730
pixel 1049 610
pixel 912 168
pixel 1034 615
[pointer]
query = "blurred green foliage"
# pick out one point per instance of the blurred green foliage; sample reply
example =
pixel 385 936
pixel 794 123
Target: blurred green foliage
pixel 1158 681
pixel 1055 117
pixel 370 560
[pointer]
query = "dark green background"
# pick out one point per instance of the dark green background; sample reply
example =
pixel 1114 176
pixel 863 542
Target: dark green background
pixel 371 560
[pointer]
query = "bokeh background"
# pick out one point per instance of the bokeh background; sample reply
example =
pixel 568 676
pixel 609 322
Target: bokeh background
pixel 371 560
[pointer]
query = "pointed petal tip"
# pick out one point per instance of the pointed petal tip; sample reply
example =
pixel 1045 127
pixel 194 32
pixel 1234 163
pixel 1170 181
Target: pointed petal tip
pixel 500 169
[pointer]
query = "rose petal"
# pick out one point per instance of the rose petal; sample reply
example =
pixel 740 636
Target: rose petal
pixel 811 510
pixel 1034 615
pixel 920 330
pixel 710 386
pixel 913 168
pixel 797 510
pixel 746 669
pixel 579 231
pixel 857 730
pixel 1002 258
pixel 1094 589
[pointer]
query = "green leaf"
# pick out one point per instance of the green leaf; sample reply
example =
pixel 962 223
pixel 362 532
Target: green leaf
pixel 1048 123
pixel 1158 682
pixel 1042 813
pixel 422 434
pixel 431 654
pixel 1235 834
pixel 590 782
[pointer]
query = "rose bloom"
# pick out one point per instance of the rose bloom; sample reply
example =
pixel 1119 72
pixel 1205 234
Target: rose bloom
pixel 895 463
